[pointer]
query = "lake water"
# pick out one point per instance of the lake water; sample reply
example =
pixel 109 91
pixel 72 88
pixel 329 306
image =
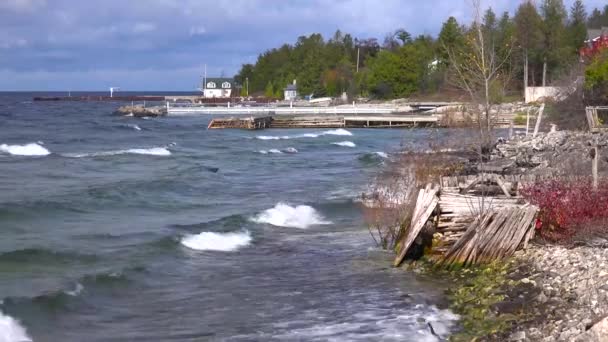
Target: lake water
pixel 125 229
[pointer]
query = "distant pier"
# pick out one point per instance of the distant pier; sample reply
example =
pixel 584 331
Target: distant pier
pixel 324 121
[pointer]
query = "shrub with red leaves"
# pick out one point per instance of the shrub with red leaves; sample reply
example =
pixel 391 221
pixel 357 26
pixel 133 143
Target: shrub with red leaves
pixel 566 207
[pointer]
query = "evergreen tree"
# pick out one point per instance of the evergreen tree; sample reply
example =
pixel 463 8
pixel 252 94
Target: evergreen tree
pixel 451 36
pixel 595 19
pixel 269 90
pixel 528 35
pixel 554 34
pixel 577 27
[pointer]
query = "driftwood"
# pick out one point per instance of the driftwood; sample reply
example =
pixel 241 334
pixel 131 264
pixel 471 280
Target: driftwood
pixel 425 205
pixel 492 236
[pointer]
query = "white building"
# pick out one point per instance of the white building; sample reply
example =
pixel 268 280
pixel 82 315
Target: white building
pixel 218 87
pixel 290 92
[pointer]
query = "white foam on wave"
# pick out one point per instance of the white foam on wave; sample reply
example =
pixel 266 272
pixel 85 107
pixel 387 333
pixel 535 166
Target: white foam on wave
pixel 154 151
pixel 291 150
pixel 284 215
pixel 339 131
pixel 78 288
pixel 136 127
pixel 381 154
pixel 11 330
pixel 345 144
pixel 222 242
pixel 31 149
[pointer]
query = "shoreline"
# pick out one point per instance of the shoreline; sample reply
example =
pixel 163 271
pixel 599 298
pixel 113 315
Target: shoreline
pixel 543 292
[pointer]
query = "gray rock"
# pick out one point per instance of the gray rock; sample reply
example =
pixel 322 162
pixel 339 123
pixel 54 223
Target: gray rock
pixel 518 336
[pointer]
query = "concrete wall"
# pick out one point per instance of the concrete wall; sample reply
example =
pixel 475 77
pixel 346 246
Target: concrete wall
pixel 537 94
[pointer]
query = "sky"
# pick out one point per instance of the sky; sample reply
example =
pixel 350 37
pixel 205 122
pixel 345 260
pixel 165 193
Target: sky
pixel 153 45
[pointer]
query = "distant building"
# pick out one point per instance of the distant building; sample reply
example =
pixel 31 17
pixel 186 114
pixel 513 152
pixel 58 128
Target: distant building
pixel 218 87
pixel 597 39
pixel 290 92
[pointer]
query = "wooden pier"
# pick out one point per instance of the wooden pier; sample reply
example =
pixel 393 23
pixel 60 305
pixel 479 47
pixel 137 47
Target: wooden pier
pixel 324 121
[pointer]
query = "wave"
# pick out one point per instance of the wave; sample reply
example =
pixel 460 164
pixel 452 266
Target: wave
pixel 31 149
pixel 40 255
pixel 11 330
pixel 154 151
pixel 284 215
pixel 277 151
pixel 339 131
pixel 78 288
pixel 373 158
pixel 223 242
pixel 345 144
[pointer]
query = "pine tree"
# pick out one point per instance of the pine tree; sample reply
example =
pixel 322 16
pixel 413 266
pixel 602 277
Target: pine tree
pixel 528 34
pixel 577 27
pixel 450 37
pixel 554 18
pixel 595 19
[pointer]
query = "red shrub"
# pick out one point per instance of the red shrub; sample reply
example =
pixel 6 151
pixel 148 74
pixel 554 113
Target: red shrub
pixel 567 206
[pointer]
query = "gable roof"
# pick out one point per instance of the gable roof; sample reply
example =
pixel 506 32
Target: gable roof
pixel 593 34
pixel 219 80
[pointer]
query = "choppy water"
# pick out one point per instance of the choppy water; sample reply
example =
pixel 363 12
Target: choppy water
pixel 123 229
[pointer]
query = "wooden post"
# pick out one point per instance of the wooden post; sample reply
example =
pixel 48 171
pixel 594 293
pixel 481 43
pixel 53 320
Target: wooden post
pixel 527 121
pixel 594 166
pixel 539 117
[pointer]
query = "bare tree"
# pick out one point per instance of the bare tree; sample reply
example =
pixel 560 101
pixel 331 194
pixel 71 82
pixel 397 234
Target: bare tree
pixel 475 66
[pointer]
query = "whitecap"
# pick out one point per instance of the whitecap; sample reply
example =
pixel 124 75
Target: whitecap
pixel 223 242
pixel 345 144
pixel 270 137
pixel 291 150
pixel 154 151
pixel 263 152
pixel 11 330
pixel 136 127
pixel 31 149
pixel 339 131
pixel 284 215
pixel 274 151
pixel 381 154
pixel 76 291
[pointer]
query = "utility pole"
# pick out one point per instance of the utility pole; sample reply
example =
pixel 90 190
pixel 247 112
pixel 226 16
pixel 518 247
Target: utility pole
pixel 358 50
pixel 205 81
pixel 247 85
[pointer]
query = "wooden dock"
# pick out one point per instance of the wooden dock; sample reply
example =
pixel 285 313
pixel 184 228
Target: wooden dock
pixel 324 121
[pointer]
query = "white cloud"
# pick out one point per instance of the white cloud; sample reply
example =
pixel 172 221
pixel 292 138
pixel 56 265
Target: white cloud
pixel 197 31
pixel 143 27
pixel 22 5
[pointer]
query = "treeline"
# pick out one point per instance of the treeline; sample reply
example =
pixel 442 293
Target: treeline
pixel 548 37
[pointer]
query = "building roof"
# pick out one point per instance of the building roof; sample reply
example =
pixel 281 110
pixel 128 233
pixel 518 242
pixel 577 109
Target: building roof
pixel 593 34
pixel 291 87
pixel 219 80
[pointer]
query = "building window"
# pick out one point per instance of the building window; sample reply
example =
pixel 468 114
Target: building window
pixel 226 85
pixel 211 85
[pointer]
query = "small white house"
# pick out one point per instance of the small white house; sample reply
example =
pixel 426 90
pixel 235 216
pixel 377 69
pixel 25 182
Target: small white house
pixel 290 92
pixel 218 87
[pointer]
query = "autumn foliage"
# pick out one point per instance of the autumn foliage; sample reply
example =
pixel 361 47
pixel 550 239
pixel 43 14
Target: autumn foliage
pixel 569 209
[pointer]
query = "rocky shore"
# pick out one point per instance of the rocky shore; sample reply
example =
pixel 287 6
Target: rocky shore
pixel 564 292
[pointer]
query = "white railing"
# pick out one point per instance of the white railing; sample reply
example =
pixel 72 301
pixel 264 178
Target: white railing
pixel 190 109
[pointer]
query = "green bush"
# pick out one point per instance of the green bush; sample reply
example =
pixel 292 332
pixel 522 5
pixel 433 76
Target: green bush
pixel 520 119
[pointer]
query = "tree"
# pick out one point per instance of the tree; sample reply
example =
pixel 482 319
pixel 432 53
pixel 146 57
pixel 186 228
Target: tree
pixel 595 19
pixel 554 18
pixel 450 37
pixel 474 68
pixel 528 34
pixel 269 90
pixel 577 26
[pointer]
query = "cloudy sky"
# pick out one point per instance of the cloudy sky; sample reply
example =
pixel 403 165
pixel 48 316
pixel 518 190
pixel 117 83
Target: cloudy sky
pixel 163 44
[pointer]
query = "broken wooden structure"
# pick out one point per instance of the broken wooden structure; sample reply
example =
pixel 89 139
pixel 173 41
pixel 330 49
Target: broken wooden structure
pixel 241 123
pixel 596 121
pixel 477 219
